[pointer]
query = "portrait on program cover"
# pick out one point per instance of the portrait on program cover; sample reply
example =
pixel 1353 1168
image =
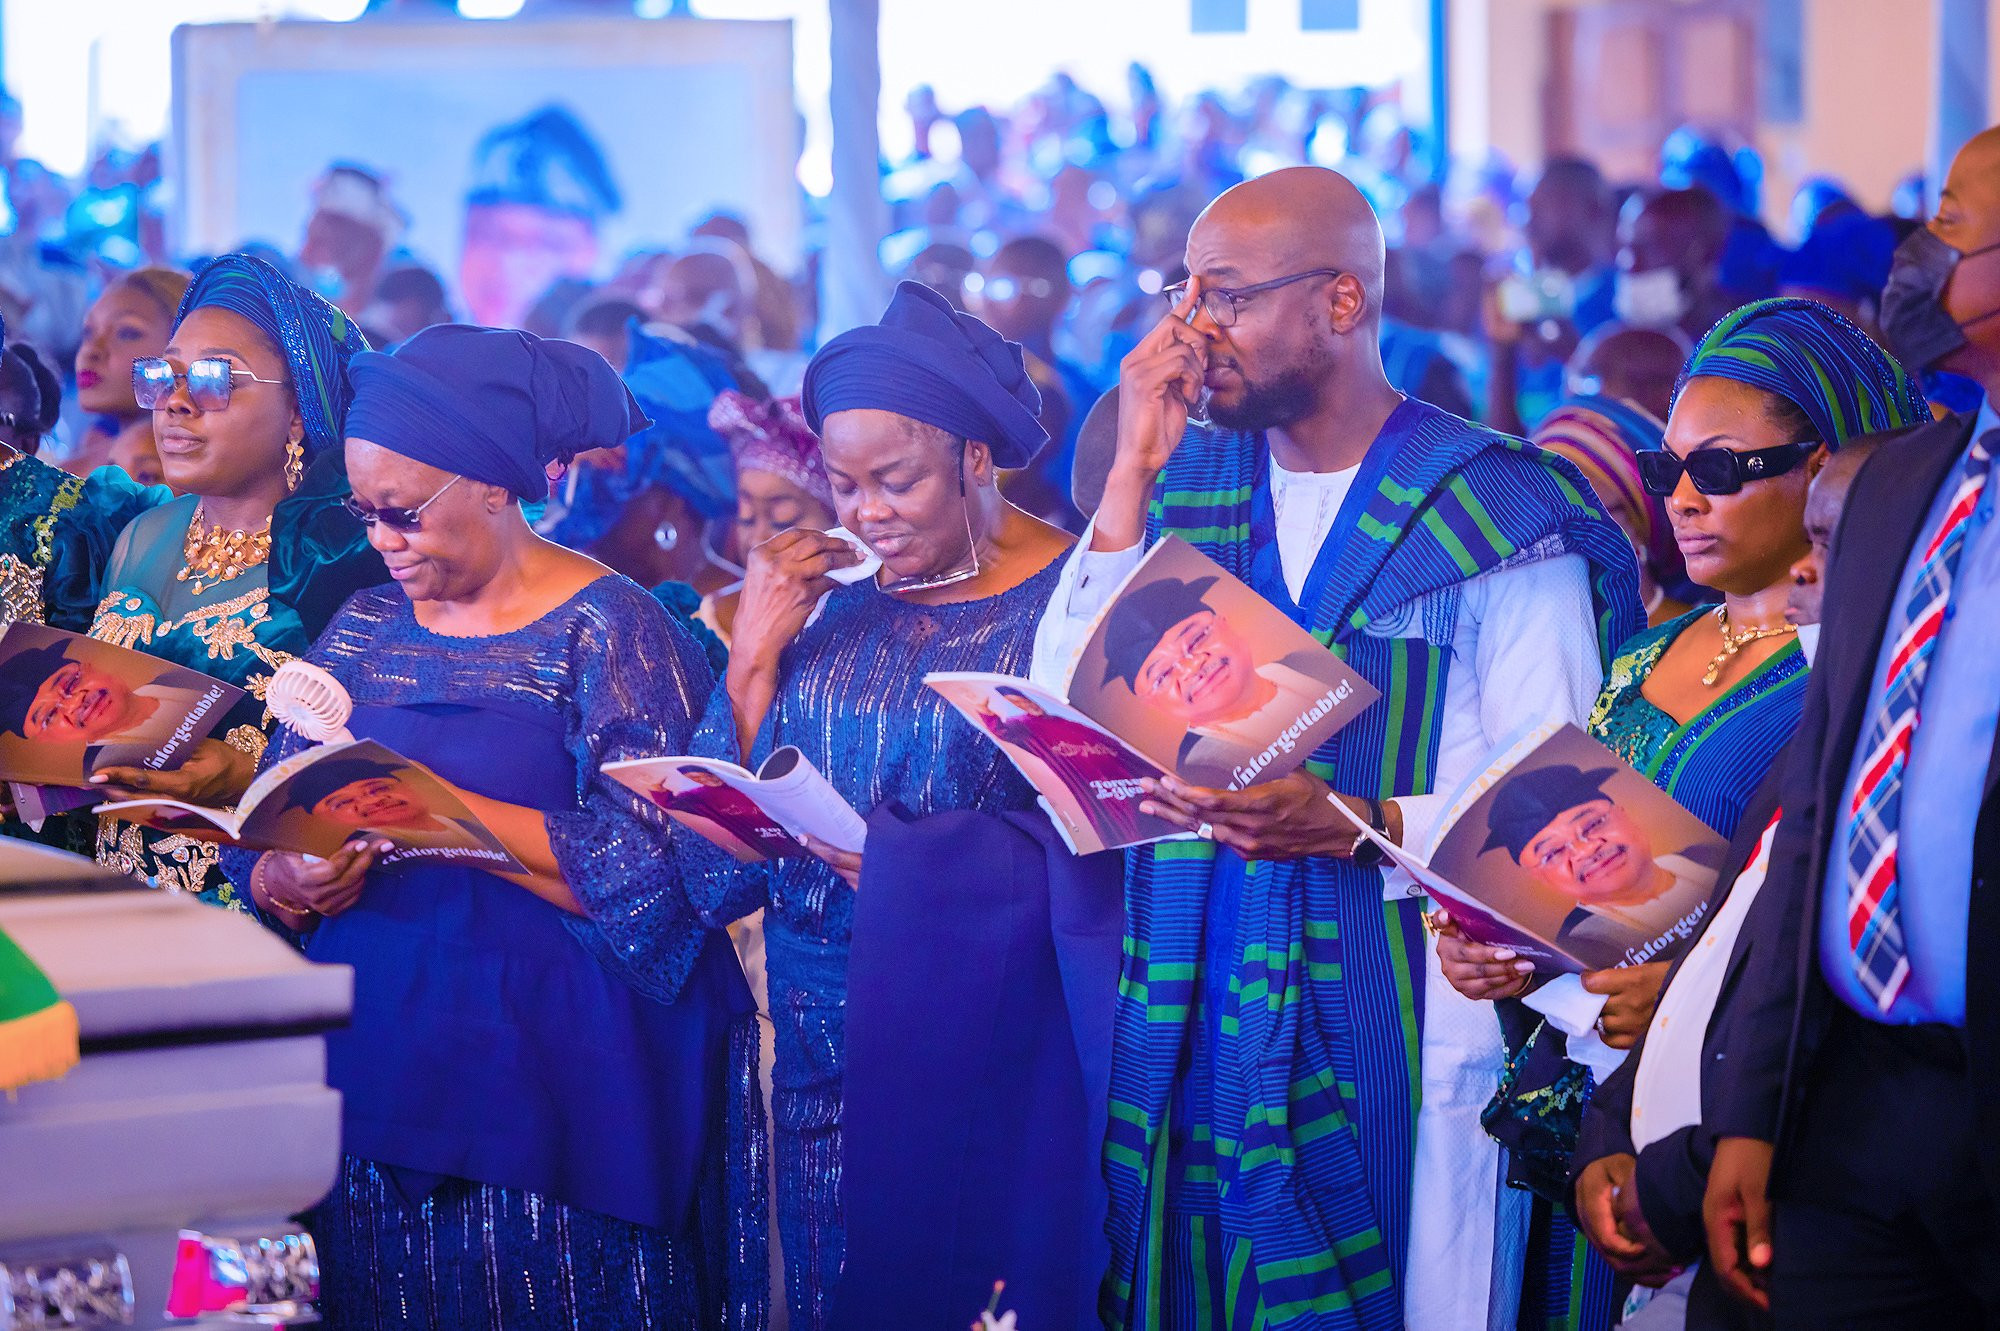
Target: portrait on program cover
pixel 71 705
pixel 1208 678
pixel 699 799
pixel 1586 853
pixel 368 789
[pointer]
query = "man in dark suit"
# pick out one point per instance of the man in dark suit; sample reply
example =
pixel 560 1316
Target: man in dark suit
pixel 1857 1158
pixel 1641 1205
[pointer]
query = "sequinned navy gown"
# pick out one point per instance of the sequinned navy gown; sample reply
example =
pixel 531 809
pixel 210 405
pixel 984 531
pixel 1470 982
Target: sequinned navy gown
pixel 851 697
pixel 549 1121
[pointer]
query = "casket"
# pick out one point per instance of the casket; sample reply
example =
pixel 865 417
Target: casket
pixel 198 1123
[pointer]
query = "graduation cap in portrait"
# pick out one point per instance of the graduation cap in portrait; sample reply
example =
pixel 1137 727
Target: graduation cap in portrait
pixel 1528 803
pixel 21 678
pixel 1141 616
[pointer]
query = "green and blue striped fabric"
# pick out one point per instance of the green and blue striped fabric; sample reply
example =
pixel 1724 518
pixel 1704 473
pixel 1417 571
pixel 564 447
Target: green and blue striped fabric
pixel 1259 1157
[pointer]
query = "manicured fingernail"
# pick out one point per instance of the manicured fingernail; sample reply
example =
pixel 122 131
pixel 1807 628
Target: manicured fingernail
pixel 1503 954
pixel 99 780
pixel 1524 966
pixel 385 847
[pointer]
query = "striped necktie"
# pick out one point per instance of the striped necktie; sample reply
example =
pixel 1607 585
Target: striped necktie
pixel 1874 923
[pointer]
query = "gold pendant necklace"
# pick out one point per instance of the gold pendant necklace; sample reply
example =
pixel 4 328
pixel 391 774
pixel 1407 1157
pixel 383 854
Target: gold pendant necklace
pixel 213 555
pixel 1732 643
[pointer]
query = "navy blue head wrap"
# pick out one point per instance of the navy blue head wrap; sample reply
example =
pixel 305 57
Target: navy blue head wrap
pixel 1847 254
pixel 1523 809
pixel 929 362
pixel 493 404
pixel 314 784
pixel 316 340
pixel 26 673
pixel 1817 360
pixel 677 383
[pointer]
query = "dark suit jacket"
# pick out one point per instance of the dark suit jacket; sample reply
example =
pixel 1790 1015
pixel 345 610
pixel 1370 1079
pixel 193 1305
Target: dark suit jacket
pixel 1673 1172
pixel 1783 1007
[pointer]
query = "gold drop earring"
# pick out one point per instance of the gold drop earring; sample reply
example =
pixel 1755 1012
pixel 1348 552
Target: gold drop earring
pixel 295 465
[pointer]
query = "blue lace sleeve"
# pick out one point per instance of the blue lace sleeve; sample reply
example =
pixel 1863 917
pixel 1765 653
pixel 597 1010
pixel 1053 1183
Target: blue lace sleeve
pixel 640 682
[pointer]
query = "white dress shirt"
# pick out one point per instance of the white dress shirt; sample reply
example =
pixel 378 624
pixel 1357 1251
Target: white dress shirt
pixel 1524 654
pixel 1666 1088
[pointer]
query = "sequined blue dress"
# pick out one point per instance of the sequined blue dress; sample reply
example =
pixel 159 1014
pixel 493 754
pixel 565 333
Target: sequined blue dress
pixel 548 1121
pixel 851 697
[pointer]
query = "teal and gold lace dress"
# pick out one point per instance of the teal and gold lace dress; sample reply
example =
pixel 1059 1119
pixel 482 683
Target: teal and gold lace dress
pixel 242 629
pixel 231 630
pixel 1711 764
pixel 56 534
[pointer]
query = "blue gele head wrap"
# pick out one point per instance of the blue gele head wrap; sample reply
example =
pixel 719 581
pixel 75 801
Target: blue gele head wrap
pixel 1817 360
pixel 1846 254
pixel 933 364
pixel 491 404
pixel 676 382
pixel 316 339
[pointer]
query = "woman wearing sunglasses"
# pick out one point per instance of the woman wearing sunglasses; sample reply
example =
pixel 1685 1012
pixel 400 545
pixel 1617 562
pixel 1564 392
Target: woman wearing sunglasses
pixel 238 574
pixel 1704 702
pixel 548 1075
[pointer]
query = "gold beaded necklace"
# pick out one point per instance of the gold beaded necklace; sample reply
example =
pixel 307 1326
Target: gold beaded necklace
pixel 1732 643
pixel 214 555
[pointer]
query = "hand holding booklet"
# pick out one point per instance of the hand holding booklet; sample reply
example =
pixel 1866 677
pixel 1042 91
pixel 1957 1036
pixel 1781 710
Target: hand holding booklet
pixel 761 815
pixel 1186 671
pixel 1563 852
pixel 317 801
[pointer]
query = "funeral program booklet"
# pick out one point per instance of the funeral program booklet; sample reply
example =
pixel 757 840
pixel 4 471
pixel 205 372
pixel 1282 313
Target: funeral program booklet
pixel 317 801
pixel 761 815
pixel 1562 851
pixel 1186 671
pixel 71 705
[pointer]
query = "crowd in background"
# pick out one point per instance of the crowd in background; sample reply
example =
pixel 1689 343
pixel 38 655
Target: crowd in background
pixel 1308 1111
pixel 1059 221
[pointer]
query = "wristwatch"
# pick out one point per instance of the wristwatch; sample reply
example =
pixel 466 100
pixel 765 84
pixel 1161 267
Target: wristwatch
pixel 1367 853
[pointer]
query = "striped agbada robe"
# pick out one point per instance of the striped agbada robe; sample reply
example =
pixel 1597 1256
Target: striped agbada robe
pixel 1265 1081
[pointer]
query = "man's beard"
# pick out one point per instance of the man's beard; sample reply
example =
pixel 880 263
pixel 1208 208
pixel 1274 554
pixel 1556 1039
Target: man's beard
pixel 1291 396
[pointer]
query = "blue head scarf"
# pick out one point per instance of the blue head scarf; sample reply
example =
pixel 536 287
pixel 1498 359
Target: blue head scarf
pixel 319 554
pixel 1815 359
pixel 1846 254
pixel 677 383
pixel 492 404
pixel 316 340
pixel 929 362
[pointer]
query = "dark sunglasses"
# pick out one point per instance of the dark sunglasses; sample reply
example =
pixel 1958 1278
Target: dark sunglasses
pixel 1718 471
pixel 395 519
pixel 208 382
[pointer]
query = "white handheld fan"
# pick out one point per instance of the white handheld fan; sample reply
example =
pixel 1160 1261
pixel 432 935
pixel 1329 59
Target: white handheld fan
pixel 311 702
